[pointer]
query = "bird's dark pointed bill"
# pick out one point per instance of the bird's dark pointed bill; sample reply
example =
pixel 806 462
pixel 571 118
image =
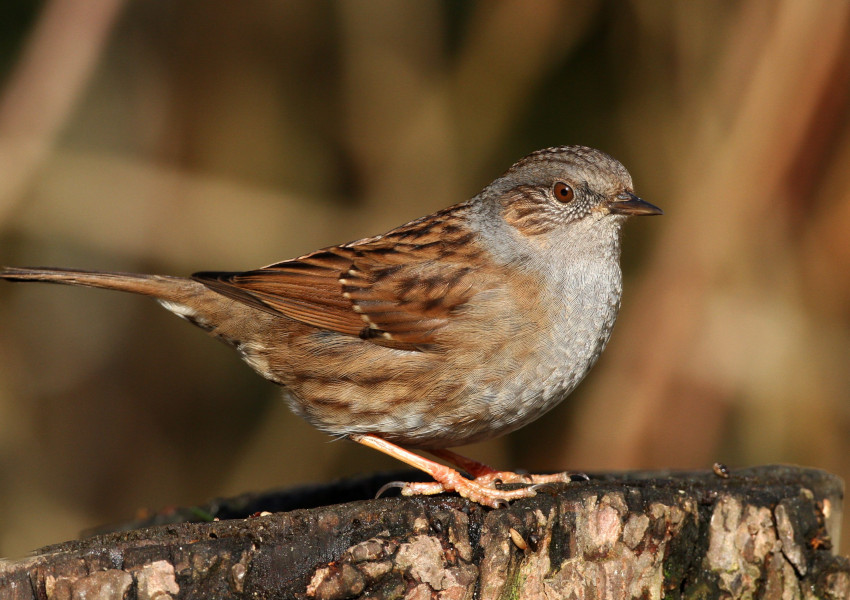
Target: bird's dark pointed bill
pixel 629 204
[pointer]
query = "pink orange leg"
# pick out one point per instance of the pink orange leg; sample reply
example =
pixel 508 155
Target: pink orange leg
pixel 487 475
pixel 481 490
pixel 473 467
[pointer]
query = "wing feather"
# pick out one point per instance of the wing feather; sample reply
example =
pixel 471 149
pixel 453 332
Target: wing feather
pixel 398 289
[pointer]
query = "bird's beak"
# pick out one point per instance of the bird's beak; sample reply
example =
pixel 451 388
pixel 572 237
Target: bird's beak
pixel 629 204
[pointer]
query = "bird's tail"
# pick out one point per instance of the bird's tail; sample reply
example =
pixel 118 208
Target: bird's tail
pixel 161 287
pixel 234 323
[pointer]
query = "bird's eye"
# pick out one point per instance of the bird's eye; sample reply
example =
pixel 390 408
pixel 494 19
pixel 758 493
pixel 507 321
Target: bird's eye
pixel 563 192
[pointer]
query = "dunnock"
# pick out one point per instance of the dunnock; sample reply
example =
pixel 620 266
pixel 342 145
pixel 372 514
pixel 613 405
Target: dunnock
pixel 454 328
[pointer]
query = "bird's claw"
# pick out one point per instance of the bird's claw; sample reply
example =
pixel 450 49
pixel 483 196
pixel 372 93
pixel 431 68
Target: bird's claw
pixel 547 487
pixel 390 485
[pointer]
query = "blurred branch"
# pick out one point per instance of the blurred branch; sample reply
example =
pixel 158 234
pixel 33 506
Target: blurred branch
pixel 54 68
pixel 732 187
pixel 453 111
pixel 153 212
pixel 493 83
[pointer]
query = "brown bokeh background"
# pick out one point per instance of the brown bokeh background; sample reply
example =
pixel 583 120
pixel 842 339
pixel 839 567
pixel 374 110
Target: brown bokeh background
pixel 207 134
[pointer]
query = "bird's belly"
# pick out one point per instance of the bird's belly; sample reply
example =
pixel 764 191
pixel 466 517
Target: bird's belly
pixel 530 391
pixel 473 393
pixel 451 403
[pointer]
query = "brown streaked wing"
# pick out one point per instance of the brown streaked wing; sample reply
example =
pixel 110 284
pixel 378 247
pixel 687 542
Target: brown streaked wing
pixel 396 290
pixel 306 289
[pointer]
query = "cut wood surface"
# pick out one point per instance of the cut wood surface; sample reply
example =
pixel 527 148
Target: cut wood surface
pixel 766 532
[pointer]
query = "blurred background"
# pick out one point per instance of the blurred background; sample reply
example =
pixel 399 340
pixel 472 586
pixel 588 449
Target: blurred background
pixel 187 135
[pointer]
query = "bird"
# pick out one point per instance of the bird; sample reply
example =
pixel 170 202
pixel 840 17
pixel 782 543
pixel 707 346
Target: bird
pixel 454 328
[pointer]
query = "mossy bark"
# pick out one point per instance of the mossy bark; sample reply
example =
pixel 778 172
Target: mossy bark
pixel 768 532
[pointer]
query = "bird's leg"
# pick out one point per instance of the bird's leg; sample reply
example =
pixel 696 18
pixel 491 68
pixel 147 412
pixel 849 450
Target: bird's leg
pixel 471 466
pixel 447 479
pixel 488 476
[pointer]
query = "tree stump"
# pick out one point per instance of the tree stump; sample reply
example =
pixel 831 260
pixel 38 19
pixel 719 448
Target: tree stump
pixel 766 532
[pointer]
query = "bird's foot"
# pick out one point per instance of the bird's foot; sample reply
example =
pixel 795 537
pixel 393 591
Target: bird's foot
pixel 485 488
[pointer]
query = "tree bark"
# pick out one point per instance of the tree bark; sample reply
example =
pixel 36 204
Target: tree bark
pixel 766 532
